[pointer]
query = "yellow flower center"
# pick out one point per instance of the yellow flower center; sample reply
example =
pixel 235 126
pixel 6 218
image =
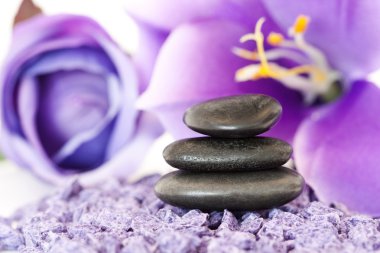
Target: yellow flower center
pixel 312 76
pixel 301 24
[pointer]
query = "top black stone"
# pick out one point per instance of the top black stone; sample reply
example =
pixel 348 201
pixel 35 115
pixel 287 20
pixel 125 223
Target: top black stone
pixel 234 117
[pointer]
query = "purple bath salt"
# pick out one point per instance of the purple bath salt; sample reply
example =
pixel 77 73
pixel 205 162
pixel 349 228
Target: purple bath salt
pixel 116 216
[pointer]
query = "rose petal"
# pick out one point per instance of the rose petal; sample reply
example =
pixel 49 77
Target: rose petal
pixel 91 59
pixel 344 30
pixel 36 30
pixel 13 69
pixel 130 156
pixel 26 156
pixel 196 64
pixel 168 14
pixel 27 109
pixel 122 164
pixel 85 154
pixel 91 132
pixel 72 102
pixel 337 148
pixel 127 115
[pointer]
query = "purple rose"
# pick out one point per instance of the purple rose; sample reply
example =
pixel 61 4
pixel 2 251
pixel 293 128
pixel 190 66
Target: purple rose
pixel 68 101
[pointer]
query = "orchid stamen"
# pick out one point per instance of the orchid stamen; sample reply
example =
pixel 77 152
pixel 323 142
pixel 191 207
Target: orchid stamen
pixel 275 39
pixel 301 24
pixel 260 45
pixel 313 75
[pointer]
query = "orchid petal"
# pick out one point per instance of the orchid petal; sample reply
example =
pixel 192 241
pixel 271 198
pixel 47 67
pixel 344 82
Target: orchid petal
pixel 196 63
pixel 167 14
pixel 150 42
pixel 346 31
pixel 337 148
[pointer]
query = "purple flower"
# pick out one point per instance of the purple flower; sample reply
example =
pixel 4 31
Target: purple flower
pixel 196 63
pixel 68 101
pixel 336 144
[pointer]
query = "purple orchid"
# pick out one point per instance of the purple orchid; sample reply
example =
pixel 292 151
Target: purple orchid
pixel 336 143
pixel 68 101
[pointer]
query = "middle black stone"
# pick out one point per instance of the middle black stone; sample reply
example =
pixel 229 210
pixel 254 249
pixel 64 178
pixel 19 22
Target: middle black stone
pixel 217 154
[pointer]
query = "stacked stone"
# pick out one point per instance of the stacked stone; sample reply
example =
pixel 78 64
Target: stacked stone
pixel 233 168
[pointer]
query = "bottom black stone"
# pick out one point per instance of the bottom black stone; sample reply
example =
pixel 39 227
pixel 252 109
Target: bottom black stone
pixel 238 191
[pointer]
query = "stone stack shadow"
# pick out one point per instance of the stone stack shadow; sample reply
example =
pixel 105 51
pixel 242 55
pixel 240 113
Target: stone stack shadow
pixel 232 168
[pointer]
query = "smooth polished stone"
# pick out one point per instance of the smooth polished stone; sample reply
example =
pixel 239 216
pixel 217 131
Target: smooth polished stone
pixel 216 154
pixel 239 191
pixel 234 117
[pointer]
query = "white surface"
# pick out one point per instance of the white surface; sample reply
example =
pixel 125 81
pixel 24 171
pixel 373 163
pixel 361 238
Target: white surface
pixel 18 187
pixel 8 10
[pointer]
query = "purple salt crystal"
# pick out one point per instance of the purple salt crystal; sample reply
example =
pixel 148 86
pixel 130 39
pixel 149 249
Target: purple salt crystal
pixel 215 219
pixel 73 190
pixel 232 242
pixel 317 237
pixel 195 222
pixel 194 218
pixel 229 222
pixel 167 216
pixel 300 202
pixel 64 245
pixel 137 244
pixel 155 205
pixel 177 242
pixel 10 239
pixel 251 223
pixel 29 250
pixel 362 231
pixel 272 231
pixel 287 220
pixel 279 225
pixel 110 244
pixel 267 245
pixel 318 211
pixel 146 225
pixel 119 217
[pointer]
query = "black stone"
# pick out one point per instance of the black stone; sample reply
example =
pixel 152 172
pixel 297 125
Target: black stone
pixel 240 191
pixel 234 117
pixel 216 154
